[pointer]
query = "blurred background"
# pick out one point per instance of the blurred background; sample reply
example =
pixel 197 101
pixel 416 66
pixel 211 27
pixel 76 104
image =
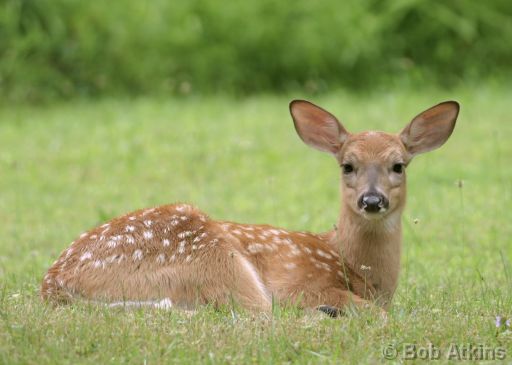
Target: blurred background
pixel 54 49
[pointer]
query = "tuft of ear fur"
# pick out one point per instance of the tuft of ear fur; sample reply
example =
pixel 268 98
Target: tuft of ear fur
pixel 317 127
pixel 430 129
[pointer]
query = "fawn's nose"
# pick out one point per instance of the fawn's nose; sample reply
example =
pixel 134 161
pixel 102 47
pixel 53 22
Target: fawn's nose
pixel 373 202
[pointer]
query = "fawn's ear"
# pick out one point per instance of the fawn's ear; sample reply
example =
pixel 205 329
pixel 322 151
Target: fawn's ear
pixel 430 129
pixel 317 127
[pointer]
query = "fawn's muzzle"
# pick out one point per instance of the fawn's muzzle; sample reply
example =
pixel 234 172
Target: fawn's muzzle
pixel 373 202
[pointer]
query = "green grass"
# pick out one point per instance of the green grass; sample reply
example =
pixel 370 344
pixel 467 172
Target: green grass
pixel 66 168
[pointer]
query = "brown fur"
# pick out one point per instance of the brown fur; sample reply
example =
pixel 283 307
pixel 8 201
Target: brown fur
pixel 371 242
pixel 177 253
pixel 216 261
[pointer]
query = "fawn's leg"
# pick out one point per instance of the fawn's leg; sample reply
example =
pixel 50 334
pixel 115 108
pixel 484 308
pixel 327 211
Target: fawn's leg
pixel 243 282
pixel 216 275
pixel 334 301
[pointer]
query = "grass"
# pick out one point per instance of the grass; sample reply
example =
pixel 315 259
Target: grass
pixel 68 167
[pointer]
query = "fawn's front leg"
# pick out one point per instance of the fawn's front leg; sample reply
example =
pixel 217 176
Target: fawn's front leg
pixel 335 302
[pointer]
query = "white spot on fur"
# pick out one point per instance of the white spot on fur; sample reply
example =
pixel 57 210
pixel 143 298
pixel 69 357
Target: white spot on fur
pixel 93 237
pixel 290 265
pixel 322 265
pixel 98 263
pixel 323 254
pixel 308 250
pixel 287 241
pixel 131 218
pixel 69 252
pixel 83 235
pixel 111 259
pixel 277 240
pixel 266 234
pixel 160 258
pixel 130 239
pixel 184 234
pixel 294 251
pixel 181 247
pixel 189 258
pixel 166 242
pixel 86 256
pixel 255 248
pixel 147 211
pixel 334 253
pixel 250 236
pixel 148 235
pixel 111 244
pixel 137 255
pixel 130 228
pixel 173 258
pixel 237 232
pixel 148 223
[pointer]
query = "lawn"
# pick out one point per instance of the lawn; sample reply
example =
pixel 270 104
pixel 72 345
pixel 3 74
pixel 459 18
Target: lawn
pixel 67 167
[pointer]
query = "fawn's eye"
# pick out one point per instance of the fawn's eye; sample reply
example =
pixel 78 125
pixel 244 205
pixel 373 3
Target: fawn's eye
pixel 347 168
pixel 398 168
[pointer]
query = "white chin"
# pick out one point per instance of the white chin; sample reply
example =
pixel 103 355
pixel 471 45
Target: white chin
pixel 373 216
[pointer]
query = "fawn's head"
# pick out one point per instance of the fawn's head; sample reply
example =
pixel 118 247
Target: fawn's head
pixel 373 163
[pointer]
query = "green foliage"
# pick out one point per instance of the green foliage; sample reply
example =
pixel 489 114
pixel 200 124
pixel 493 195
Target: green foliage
pixel 64 48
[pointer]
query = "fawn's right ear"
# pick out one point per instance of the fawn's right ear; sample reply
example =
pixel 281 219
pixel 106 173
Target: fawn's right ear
pixel 317 127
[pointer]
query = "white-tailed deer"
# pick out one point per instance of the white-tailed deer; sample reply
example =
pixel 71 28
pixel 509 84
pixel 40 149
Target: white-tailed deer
pixel 175 255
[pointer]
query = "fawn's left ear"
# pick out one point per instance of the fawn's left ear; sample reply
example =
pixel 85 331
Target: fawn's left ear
pixel 317 127
pixel 430 129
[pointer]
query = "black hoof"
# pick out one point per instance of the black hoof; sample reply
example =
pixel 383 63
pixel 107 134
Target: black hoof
pixel 332 312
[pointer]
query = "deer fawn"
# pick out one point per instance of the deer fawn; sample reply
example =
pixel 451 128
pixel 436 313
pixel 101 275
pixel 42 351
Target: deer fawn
pixel 175 255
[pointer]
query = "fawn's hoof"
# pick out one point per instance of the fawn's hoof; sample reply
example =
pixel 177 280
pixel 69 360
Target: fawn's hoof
pixel 332 312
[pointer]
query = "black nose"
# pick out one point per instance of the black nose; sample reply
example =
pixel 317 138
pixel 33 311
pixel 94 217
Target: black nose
pixel 373 202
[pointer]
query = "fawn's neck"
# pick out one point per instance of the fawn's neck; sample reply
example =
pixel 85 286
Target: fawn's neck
pixel 372 248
